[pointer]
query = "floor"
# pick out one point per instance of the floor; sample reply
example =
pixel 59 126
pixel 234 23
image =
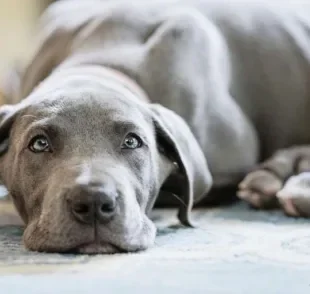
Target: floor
pixel 234 250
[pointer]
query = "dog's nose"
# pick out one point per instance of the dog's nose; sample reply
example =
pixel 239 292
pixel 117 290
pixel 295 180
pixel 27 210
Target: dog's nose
pixel 90 204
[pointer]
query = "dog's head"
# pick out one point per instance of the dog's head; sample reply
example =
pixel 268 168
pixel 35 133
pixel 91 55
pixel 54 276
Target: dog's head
pixel 84 161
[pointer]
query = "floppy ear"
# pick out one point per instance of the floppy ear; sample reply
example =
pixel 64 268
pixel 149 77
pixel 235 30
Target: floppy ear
pixel 7 116
pixel 193 179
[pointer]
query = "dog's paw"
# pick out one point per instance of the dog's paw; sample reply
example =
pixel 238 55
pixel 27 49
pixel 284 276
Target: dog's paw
pixel 294 198
pixel 259 189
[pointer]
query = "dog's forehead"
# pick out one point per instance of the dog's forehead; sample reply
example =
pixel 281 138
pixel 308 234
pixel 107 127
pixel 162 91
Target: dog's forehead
pixel 85 102
pixel 89 111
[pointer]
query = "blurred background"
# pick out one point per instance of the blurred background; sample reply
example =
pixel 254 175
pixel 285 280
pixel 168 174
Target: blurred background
pixel 17 27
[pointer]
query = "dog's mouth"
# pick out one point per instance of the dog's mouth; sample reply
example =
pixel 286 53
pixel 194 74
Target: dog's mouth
pixel 96 248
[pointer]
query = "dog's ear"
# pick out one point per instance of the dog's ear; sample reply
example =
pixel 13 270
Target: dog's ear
pixel 175 139
pixel 7 117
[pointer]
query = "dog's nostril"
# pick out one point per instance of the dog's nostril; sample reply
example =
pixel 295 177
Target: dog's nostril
pixel 83 212
pixel 107 207
pixel 81 208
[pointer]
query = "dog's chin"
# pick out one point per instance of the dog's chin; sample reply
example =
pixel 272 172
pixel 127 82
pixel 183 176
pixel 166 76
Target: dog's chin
pixel 97 248
pixel 101 248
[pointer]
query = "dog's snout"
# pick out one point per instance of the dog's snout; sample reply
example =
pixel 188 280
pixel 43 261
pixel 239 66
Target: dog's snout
pixel 90 204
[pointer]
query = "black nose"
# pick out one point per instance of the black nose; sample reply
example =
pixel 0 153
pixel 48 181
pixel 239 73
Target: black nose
pixel 89 204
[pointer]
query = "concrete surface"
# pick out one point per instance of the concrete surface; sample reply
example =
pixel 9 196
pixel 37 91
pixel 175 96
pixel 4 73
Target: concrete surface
pixel 235 250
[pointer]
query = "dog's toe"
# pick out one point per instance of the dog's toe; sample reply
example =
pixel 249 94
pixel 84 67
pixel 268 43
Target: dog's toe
pixel 253 198
pixel 259 189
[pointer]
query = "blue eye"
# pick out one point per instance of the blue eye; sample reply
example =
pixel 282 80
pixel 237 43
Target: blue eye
pixel 132 141
pixel 39 144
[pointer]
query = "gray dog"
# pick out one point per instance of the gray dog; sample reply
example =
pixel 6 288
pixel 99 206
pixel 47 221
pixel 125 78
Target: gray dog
pixel 123 100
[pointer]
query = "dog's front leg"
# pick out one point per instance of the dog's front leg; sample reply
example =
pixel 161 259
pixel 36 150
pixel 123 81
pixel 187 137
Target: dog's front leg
pixel 186 68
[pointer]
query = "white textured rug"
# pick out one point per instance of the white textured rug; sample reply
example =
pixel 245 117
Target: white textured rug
pixel 235 250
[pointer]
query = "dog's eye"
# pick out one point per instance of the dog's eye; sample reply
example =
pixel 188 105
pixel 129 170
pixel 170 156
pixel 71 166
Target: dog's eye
pixel 39 144
pixel 132 141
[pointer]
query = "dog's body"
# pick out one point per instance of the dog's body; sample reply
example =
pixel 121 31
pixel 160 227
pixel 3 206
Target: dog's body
pixel 254 55
pixel 237 73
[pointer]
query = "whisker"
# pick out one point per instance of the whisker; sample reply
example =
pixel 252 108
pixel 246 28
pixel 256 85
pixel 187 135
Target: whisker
pixel 178 198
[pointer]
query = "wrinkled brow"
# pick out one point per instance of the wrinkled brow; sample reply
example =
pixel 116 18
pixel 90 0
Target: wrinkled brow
pixel 31 123
pixel 29 117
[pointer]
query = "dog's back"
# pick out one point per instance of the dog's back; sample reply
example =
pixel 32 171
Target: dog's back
pixel 268 45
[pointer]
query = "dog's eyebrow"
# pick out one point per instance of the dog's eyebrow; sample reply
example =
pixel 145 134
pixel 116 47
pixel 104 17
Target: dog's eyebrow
pixel 51 129
pixel 124 126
